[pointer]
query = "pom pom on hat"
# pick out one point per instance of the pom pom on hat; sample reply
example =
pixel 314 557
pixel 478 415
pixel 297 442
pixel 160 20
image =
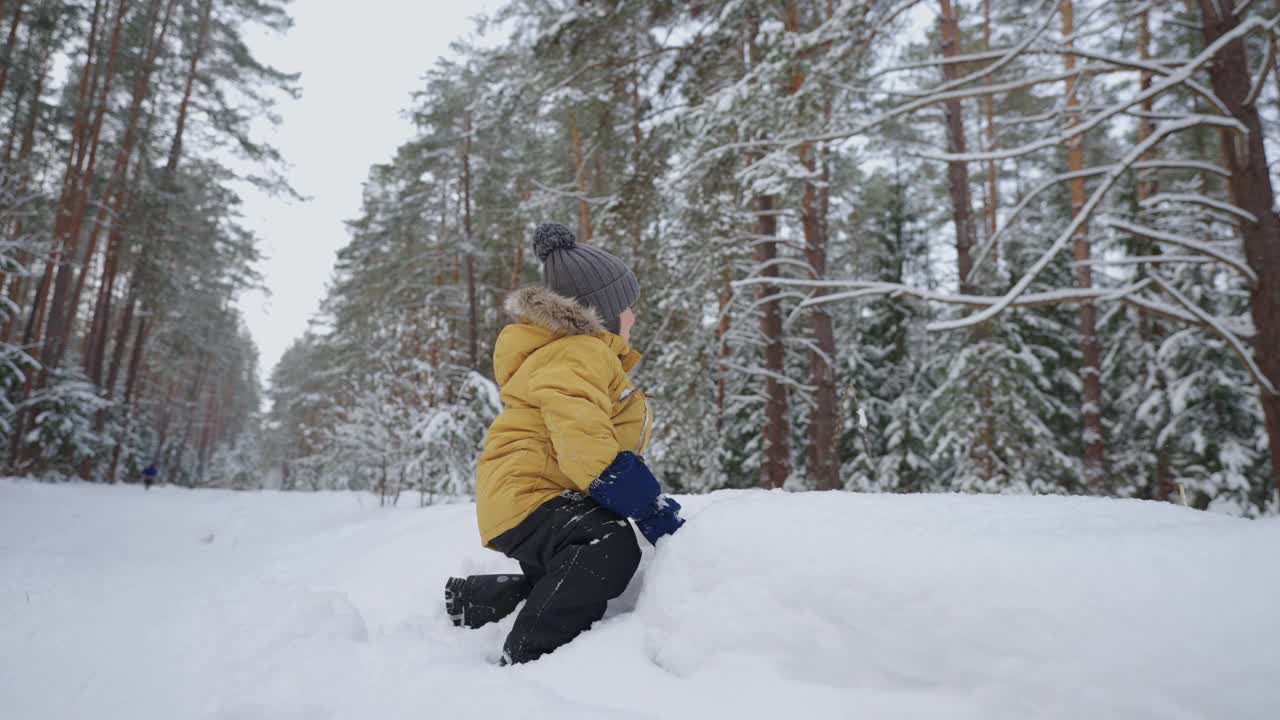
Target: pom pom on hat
pixel 549 237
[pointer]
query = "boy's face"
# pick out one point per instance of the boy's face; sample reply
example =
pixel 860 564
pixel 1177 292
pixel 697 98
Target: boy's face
pixel 625 322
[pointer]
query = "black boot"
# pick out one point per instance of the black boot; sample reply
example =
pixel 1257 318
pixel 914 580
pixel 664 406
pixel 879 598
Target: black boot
pixel 478 600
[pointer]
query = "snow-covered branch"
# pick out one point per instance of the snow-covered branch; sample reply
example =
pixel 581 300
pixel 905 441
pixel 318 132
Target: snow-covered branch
pixel 1237 264
pixel 1179 77
pixel 762 372
pixel 1171 312
pixel 1237 345
pixel 1197 199
pixel 990 243
pixel 1268 62
pixel 1081 217
pixel 860 289
pixel 1144 260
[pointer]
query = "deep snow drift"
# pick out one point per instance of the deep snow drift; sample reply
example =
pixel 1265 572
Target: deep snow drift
pixel 120 603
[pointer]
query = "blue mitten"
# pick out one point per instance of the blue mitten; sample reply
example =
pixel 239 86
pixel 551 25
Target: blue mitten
pixel 628 488
pixel 665 521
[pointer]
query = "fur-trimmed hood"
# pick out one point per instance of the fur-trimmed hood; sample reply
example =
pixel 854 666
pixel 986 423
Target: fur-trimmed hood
pixel 542 317
pixel 538 305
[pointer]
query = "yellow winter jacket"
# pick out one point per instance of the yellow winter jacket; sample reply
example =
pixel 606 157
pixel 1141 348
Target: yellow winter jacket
pixel 568 408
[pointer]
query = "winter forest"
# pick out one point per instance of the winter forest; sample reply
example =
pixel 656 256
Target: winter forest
pixel 993 246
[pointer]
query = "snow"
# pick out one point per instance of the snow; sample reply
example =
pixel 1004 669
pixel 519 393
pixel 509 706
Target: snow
pixel 121 603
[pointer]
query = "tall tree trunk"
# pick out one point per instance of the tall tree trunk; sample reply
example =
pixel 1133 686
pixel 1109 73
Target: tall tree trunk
pixel 133 379
pixel 96 338
pixel 1161 479
pixel 580 172
pixel 725 319
pixel 1252 190
pixel 776 465
pixel 723 326
pixel 35 321
pixel 957 170
pixel 10 43
pixel 5 63
pixel 637 150
pixel 192 403
pixel 70 205
pixel 17 287
pixel 102 312
pixel 100 326
pixel 1147 185
pixel 61 311
pixel 1090 362
pixel 824 469
pixel 202 41
pixel 473 353
pixel 964 222
pixel 15 125
pixel 118 180
pixel 122 341
pixel 993 186
pixel 777 429
pixel 207 433
pixel 517 264
pixel 133 383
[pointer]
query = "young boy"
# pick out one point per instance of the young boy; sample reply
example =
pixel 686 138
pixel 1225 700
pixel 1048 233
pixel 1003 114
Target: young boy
pixel 561 470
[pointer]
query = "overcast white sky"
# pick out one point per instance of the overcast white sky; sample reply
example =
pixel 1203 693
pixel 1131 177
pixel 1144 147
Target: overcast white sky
pixel 359 64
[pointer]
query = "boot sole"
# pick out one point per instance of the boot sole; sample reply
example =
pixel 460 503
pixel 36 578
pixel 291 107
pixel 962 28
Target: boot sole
pixel 453 600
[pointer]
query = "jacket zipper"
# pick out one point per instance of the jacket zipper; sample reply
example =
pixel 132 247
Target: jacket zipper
pixel 644 426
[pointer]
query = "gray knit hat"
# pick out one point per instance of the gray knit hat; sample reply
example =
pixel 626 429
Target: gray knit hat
pixel 585 273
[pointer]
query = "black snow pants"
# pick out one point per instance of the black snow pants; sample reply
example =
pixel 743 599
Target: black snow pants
pixel 576 556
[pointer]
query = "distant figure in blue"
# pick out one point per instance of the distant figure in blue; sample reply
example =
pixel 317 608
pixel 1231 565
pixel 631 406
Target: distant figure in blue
pixel 149 475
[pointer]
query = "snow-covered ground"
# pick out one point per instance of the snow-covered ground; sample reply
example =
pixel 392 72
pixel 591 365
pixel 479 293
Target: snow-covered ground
pixel 120 603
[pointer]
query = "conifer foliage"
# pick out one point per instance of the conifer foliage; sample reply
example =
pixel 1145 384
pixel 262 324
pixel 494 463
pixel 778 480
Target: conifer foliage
pixel 888 246
pixel 121 249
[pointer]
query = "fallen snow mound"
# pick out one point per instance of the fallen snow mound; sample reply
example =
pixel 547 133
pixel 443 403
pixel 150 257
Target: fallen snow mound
pixel 120 603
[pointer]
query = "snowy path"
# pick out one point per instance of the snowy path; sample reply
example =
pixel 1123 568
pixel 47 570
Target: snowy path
pixel 115 603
